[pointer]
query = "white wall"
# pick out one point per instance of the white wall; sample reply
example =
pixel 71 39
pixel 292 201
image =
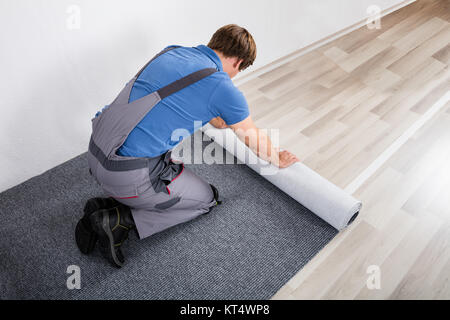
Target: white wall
pixel 53 79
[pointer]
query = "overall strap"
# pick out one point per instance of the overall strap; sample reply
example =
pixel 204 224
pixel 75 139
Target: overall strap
pixel 184 82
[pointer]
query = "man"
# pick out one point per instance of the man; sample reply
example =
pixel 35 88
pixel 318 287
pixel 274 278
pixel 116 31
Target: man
pixel 129 150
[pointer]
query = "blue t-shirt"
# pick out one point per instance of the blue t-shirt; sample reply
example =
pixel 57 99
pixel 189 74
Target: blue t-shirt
pixel 211 97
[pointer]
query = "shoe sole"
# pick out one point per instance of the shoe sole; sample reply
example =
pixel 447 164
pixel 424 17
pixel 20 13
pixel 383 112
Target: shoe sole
pixel 106 239
pixel 216 198
pixel 85 236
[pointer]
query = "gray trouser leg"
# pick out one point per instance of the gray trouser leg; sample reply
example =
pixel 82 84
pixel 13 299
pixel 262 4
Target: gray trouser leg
pixel 190 196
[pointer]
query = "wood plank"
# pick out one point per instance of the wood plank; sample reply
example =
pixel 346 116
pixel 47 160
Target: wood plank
pixel 421 53
pixel 403 27
pixel 363 54
pixel 443 55
pixel 431 97
pixel 402 258
pixel 416 284
pixel 420 34
pixel 341 258
pixel 354 279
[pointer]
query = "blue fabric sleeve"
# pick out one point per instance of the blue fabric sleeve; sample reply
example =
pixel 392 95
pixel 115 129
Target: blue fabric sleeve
pixel 229 103
pixel 99 112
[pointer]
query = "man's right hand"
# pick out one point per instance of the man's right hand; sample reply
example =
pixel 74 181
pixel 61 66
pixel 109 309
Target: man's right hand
pixel 262 146
pixel 286 159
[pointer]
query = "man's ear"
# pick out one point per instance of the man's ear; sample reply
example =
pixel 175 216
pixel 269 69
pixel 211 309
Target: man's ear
pixel 237 63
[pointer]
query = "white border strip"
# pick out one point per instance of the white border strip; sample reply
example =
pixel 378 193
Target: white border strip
pixel 382 158
pixel 308 48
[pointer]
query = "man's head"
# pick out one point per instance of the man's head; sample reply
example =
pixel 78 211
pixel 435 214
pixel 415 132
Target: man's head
pixel 235 47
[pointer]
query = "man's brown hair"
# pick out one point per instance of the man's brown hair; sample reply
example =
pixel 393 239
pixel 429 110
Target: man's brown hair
pixel 234 41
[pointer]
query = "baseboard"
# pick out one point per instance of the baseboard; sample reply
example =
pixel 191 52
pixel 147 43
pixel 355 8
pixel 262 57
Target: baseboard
pixel 299 52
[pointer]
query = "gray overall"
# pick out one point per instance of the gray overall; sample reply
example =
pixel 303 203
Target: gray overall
pixel 160 192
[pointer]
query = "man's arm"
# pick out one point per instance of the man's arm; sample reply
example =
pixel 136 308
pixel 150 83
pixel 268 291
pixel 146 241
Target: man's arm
pixel 261 145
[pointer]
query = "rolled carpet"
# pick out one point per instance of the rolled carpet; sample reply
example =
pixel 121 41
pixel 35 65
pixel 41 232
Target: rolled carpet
pixel 310 189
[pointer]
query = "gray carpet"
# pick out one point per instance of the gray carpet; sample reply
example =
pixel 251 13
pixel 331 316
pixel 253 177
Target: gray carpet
pixel 245 249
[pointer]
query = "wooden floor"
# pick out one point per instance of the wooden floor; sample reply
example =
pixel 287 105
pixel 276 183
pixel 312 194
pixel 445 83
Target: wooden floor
pixel 338 108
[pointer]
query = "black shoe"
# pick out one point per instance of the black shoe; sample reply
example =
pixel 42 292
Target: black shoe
pixel 84 235
pixel 216 194
pixel 216 197
pixel 112 227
